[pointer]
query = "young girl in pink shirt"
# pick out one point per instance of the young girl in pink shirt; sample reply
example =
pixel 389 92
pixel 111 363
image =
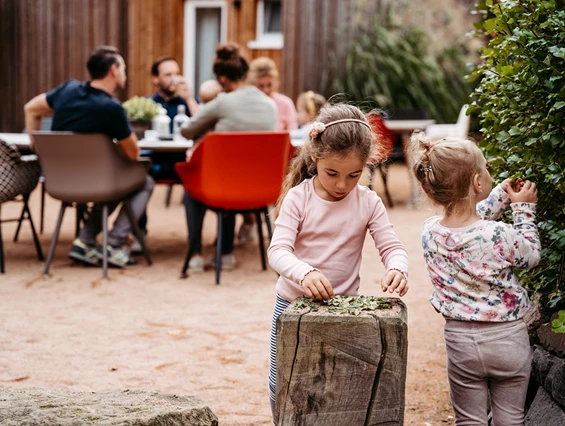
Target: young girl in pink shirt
pixel 324 216
pixel 471 259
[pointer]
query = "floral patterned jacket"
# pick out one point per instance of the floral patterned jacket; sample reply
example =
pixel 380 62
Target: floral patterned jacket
pixel 471 268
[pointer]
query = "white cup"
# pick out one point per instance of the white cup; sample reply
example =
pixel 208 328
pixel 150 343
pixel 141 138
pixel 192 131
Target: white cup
pixel 151 135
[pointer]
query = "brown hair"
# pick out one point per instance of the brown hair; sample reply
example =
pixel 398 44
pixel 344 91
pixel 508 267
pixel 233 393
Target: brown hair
pixel 345 138
pixel 101 60
pixel 445 168
pixel 158 62
pixel 311 101
pixel 230 63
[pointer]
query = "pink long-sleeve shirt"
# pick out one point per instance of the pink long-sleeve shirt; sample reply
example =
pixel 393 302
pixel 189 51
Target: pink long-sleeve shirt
pixel 328 235
pixel 287 117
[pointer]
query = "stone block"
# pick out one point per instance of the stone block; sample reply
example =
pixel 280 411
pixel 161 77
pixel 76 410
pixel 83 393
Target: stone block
pixel 553 342
pixel 549 372
pixel 60 407
pixel 544 411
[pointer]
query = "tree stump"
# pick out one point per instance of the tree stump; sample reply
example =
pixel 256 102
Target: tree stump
pixel 336 368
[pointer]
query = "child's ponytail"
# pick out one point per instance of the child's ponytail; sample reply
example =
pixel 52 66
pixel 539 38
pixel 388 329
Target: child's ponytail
pixel 445 168
pixel 301 167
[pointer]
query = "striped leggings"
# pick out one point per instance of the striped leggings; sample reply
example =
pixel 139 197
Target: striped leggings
pixel 280 306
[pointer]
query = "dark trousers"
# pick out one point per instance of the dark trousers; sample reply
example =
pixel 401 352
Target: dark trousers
pixel 162 167
pixel 195 212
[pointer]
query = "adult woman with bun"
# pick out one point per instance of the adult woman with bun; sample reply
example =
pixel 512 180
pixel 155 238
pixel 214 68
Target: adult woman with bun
pixel 242 107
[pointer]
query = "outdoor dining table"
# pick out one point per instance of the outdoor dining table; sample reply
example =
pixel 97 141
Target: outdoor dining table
pixel 21 141
pixel 405 129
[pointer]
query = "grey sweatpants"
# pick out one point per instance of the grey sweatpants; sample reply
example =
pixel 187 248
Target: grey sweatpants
pixel 117 237
pixel 485 357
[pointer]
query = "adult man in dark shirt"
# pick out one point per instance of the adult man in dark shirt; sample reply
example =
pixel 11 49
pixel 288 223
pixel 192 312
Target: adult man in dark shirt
pixel 89 107
pixel 172 89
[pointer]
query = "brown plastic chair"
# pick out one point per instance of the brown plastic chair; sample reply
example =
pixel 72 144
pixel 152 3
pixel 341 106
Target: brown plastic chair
pixel 89 168
pixel 236 172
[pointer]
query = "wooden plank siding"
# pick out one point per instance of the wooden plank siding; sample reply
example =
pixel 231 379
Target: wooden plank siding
pixel 46 42
pixel 155 28
pixel 242 23
pixel 318 35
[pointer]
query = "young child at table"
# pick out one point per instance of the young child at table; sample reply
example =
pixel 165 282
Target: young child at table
pixel 208 90
pixel 324 216
pixel 471 258
pixel 308 106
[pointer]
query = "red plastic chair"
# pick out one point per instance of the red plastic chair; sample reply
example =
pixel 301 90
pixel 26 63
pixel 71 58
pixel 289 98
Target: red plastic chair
pixel 384 143
pixel 236 172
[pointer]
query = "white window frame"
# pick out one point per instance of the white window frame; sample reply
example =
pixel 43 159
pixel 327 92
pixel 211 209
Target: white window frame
pixel 263 39
pixel 190 7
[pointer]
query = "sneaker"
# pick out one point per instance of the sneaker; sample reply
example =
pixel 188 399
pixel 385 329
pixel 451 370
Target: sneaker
pixel 117 256
pixel 84 253
pixel 228 261
pixel 136 245
pixel 196 264
pixel 247 233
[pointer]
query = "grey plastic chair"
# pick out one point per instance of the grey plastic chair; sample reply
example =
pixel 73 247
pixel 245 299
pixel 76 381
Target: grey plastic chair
pixel 89 168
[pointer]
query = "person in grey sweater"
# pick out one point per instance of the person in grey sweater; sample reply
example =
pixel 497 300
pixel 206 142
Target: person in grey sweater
pixel 241 107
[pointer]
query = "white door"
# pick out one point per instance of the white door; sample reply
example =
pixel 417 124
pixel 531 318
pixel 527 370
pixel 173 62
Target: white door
pixel 205 25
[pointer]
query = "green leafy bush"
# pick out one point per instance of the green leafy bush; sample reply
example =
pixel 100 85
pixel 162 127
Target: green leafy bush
pixel 394 67
pixel 521 103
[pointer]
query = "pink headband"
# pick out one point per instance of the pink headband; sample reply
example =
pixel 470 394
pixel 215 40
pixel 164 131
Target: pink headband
pixel 318 127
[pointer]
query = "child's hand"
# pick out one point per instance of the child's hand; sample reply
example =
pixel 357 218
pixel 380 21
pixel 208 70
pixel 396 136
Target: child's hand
pixel 316 286
pixel 523 192
pixel 505 184
pixel 508 185
pixel 394 280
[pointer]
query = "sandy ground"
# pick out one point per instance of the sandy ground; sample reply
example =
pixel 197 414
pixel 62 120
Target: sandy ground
pixel 146 328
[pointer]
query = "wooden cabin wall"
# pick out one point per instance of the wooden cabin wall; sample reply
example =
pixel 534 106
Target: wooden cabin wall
pixel 46 42
pixel 318 35
pixel 155 28
pixel 242 23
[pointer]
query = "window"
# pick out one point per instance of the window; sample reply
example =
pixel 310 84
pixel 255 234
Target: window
pixel 205 25
pixel 269 35
pixel 271 16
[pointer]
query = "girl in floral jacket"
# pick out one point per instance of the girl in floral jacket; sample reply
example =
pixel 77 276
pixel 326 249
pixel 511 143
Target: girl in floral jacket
pixel 471 258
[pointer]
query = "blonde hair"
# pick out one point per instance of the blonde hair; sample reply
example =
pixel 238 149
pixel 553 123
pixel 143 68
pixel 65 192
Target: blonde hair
pixel 345 138
pixel 263 67
pixel 445 168
pixel 311 101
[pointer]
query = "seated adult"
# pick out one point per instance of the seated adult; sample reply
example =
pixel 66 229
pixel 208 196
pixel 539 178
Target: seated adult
pixel 242 107
pixel 172 91
pixel 89 107
pixel 264 75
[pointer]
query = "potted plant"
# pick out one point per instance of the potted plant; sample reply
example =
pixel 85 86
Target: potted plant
pixel 140 111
